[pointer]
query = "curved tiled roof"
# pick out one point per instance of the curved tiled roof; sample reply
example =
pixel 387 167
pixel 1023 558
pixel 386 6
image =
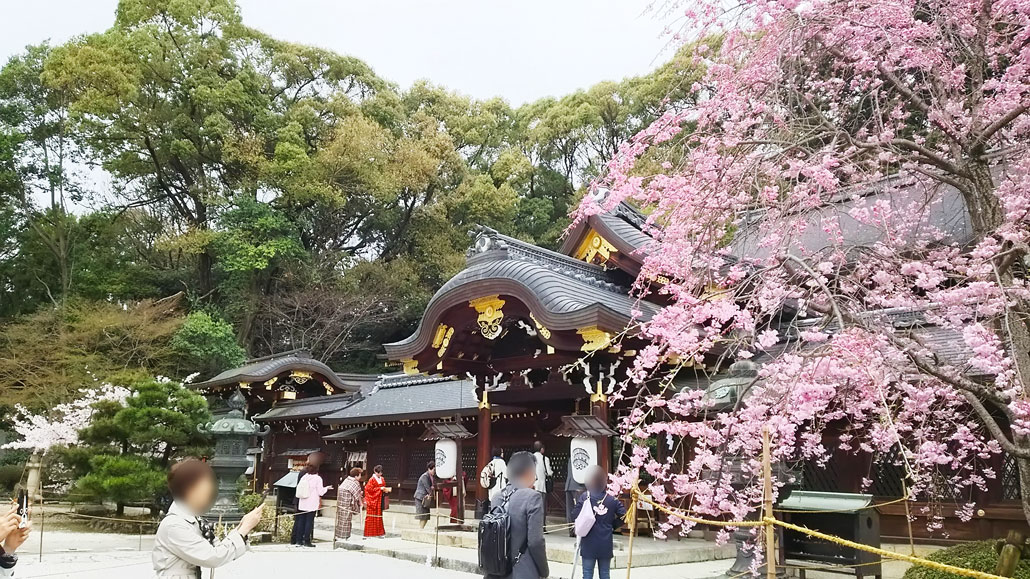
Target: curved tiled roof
pixel 306 407
pixel 428 397
pixel 623 227
pixel 261 369
pixel 563 293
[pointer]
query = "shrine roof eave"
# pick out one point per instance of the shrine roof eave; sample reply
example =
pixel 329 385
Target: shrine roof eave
pixel 263 369
pixel 558 302
pixel 622 227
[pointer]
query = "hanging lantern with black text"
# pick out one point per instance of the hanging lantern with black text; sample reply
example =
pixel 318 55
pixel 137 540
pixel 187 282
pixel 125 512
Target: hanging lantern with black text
pixel 582 455
pixel 446 458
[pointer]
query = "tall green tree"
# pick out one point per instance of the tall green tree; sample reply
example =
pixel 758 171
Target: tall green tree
pixel 40 153
pixel 125 451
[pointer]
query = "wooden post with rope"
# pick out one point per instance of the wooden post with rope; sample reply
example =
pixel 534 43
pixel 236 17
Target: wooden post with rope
pixel 631 514
pixel 770 531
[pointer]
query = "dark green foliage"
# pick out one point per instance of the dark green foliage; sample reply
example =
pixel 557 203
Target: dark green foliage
pixel 16 456
pixel 10 474
pixel 206 344
pixel 126 450
pixel 123 479
pixel 295 199
pixel 978 555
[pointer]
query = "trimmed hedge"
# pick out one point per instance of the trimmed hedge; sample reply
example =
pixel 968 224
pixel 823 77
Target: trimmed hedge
pixel 979 556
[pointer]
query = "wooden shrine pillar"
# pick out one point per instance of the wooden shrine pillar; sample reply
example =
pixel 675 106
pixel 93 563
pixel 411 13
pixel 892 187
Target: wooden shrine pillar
pixel 484 450
pixel 599 408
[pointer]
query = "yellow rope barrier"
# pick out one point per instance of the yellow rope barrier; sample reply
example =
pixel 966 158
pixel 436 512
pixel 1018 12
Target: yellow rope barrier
pixel 638 496
pixel 681 515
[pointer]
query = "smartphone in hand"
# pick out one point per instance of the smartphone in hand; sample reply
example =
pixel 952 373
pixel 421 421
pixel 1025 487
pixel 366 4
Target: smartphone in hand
pixel 23 508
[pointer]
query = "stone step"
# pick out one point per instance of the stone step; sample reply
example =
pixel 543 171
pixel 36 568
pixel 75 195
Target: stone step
pixel 561 548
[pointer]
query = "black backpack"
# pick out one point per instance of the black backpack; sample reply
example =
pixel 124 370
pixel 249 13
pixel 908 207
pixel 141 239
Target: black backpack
pixel 495 556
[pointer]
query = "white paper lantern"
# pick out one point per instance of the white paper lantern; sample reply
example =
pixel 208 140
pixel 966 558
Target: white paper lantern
pixel 446 458
pixel 582 455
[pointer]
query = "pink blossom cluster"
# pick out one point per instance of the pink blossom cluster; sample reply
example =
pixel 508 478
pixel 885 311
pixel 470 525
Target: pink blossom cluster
pixel 854 174
pixel 40 432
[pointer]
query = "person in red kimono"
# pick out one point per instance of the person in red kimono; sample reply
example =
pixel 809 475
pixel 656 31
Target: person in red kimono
pixel 450 494
pixel 375 494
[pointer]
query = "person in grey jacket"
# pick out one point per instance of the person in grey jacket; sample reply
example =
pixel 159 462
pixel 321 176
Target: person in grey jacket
pixel 424 494
pixel 184 542
pixel 526 518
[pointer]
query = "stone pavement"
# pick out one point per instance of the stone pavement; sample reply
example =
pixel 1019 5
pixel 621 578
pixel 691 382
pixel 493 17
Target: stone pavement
pixel 77 555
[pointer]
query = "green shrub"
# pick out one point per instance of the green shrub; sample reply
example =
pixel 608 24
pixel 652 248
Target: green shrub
pixel 979 556
pixel 10 474
pixel 249 501
pixel 207 344
pixel 17 457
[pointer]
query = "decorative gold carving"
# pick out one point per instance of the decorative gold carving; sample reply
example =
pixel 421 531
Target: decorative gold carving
pixel 410 366
pixel 550 349
pixel 593 247
pixel 598 396
pixel 594 339
pixel 490 315
pixel 270 382
pixel 442 339
pixel 484 403
pixel 544 332
pixel 245 385
pixel 300 377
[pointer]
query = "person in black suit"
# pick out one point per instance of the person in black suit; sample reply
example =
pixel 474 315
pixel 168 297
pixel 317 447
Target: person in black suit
pixel 526 519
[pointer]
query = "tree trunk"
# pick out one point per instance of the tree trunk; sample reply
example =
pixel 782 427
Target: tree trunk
pixel 985 212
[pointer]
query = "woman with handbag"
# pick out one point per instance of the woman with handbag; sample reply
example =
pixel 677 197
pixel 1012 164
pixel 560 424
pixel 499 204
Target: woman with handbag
pixel 424 494
pixel 310 489
pixel 598 515
pixel 376 502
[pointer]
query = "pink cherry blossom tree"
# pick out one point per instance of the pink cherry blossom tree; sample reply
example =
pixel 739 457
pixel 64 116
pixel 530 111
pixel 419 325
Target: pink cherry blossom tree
pixel 60 426
pixel 848 204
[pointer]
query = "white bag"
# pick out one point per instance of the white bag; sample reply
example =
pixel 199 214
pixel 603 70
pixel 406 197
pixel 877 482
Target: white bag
pixel 586 518
pixel 303 487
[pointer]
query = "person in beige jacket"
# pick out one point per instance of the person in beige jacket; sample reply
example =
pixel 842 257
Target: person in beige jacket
pixel 185 543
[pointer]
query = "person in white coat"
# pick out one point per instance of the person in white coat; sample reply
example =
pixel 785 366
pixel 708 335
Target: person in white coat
pixel 12 535
pixel 185 543
pixel 543 470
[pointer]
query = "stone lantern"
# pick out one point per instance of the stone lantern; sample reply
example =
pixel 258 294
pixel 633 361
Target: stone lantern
pixel 725 395
pixel 233 434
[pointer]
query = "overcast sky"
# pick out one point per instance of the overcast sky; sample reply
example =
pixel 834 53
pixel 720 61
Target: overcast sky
pixel 520 50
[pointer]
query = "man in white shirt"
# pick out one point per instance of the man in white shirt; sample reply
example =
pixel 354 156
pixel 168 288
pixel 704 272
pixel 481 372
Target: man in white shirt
pixel 500 479
pixel 543 470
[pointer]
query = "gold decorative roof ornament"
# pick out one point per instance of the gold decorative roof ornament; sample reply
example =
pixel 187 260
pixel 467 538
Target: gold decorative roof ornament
pixel 410 366
pixel 544 332
pixel 594 339
pixel 301 377
pixel 595 249
pixel 490 315
pixel 270 382
pixel 484 402
pixel 599 395
pixel 442 339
